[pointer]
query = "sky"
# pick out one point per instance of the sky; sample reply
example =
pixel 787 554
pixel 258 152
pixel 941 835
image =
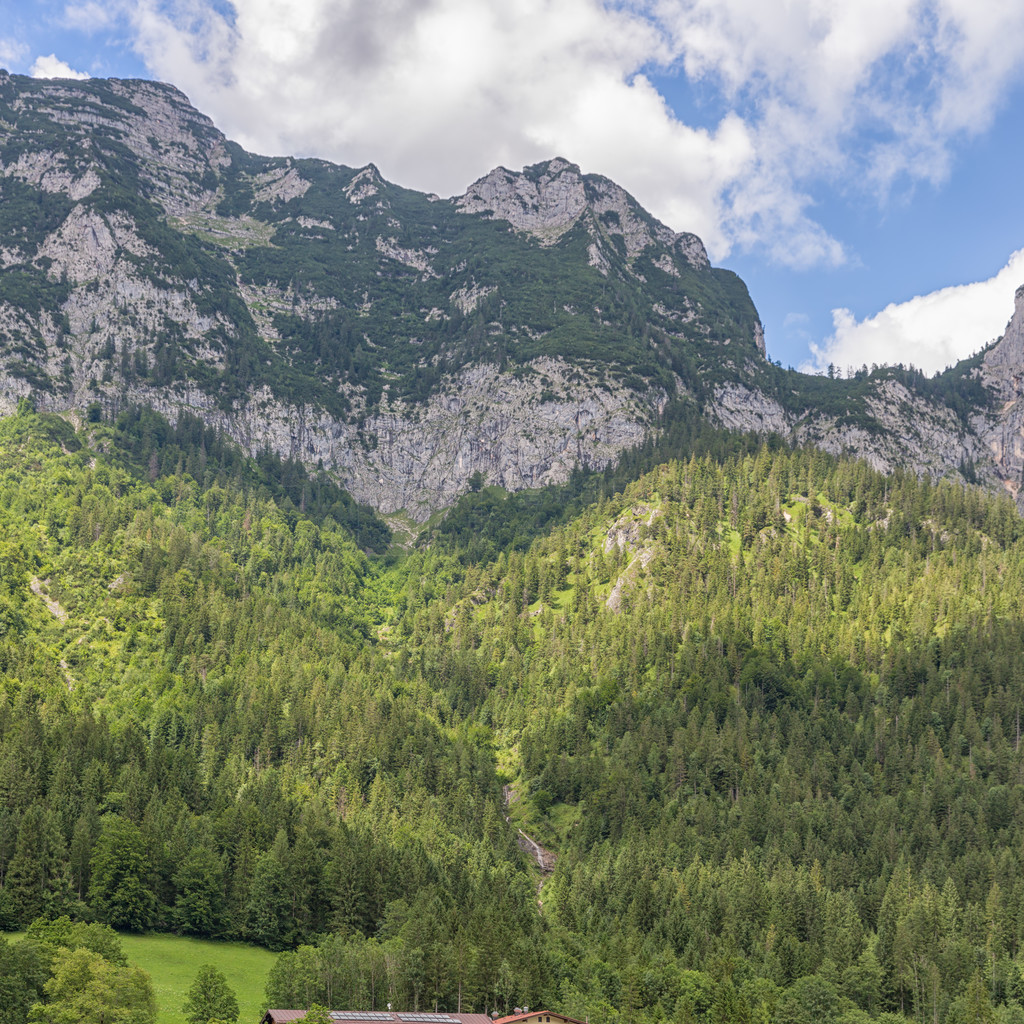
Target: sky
pixel 856 162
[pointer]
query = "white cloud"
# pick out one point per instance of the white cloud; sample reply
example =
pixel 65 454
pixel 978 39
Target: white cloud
pixel 50 67
pixel 867 98
pixel 929 331
pixel 89 16
pixel 437 92
pixel 871 94
pixel 12 52
pixel 880 86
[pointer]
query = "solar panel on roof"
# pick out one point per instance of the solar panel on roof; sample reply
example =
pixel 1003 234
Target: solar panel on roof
pixel 360 1015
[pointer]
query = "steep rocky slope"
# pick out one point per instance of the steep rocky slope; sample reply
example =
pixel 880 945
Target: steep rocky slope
pixel 1002 431
pixel 404 342
pixel 967 423
pixel 401 341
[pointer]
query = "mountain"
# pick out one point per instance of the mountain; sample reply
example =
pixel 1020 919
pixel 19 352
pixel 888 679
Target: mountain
pixel 758 705
pixel 409 345
pixel 405 342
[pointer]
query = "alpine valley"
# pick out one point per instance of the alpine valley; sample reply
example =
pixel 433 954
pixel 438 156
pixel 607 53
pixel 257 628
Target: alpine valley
pixel 450 596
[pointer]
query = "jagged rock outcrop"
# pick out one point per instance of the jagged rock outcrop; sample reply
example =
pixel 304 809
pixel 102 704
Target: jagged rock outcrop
pixel 546 206
pixel 547 200
pixel 1002 432
pixel 1007 355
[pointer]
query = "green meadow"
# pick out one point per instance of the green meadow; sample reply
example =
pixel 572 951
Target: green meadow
pixel 173 960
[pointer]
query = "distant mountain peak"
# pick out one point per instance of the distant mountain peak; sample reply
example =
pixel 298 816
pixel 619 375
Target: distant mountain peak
pixel 544 200
pixel 548 199
pixel 365 184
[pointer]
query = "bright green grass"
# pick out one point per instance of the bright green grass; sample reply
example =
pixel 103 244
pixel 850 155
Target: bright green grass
pixel 172 962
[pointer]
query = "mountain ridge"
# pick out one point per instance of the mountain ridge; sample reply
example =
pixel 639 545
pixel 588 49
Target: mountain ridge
pixel 401 342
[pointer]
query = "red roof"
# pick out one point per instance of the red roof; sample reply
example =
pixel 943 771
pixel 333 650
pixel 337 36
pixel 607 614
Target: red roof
pixel 537 1013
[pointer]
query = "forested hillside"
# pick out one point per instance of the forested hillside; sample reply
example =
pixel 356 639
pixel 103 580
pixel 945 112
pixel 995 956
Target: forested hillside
pixel 764 705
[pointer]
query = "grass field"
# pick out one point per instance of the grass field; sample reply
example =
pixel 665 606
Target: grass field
pixel 172 961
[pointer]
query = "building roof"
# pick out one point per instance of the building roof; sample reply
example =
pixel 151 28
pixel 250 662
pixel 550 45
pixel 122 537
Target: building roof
pixel 531 1014
pixel 381 1017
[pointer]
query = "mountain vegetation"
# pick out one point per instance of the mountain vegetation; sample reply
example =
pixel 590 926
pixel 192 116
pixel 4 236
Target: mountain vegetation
pixel 710 728
pixel 762 703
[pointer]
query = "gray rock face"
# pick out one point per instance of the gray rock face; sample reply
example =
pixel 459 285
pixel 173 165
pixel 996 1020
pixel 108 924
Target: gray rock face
pixel 1009 351
pixel 87 245
pixel 411 305
pixel 908 432
pixel 901 429
pixel 545 207
pixel 549 199
pixel 1002 434
pixel 418 460
pixel 740 407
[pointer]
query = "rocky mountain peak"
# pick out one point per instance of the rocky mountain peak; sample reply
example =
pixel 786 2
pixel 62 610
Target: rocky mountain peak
pixel 547 199
pixel 175 146
pixel 1009 351
pixel 544 200
pixel 365 184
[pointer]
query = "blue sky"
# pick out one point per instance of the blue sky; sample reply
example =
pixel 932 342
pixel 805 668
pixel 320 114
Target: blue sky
pixel 855 161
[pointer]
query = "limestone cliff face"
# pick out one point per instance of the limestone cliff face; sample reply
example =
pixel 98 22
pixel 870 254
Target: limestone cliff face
pixel 540 321
pixel 899 430
pixel 418 460
pixel 908 432
pixel 323 312
pixel 1002 433
pixel 1007 355
pixel 547 200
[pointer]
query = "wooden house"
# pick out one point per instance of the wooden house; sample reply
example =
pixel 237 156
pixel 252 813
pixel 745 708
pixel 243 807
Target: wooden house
pixel 528 1016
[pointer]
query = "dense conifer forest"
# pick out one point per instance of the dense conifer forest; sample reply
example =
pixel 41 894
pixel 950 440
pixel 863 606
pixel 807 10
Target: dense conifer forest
pixel 764 706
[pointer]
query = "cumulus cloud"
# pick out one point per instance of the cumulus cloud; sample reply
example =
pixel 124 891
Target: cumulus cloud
pixel 929 331
pixel 436 92
pixel 869 97
pixel 50 67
